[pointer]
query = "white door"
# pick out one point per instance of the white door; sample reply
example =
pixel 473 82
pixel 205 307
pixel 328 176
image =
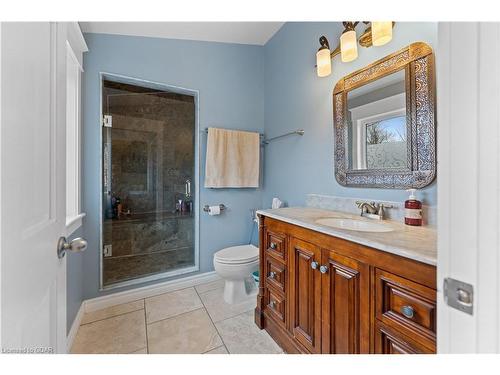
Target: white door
pixel 33 279
pixel 468 100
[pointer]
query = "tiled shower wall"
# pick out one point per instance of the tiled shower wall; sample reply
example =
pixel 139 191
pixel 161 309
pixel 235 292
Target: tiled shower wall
pixel 152 148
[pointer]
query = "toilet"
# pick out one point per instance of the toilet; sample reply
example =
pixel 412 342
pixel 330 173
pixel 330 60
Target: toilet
pixel 235 265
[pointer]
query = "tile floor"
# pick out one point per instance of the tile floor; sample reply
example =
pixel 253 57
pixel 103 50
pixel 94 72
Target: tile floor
pixel 193 320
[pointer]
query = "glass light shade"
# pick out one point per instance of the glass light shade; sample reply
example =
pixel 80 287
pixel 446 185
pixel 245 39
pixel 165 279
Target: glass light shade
pixel 323 62
pixel 348 46
pixel 381 33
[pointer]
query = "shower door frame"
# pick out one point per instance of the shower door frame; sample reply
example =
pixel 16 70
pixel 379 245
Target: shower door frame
pixel 197 158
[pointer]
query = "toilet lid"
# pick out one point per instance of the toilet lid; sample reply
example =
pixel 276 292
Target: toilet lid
pixel 237 254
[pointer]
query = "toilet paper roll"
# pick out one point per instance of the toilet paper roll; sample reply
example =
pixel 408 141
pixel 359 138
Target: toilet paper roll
pixel 214 210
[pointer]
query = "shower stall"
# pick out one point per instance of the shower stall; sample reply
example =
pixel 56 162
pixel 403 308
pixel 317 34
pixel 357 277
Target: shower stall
pixel 149 181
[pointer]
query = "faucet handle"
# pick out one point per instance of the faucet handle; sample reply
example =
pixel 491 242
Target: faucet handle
pixel 381 208
pixel 359 203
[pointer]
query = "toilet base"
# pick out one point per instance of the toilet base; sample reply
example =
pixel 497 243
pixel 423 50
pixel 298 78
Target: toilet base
pixel 239 290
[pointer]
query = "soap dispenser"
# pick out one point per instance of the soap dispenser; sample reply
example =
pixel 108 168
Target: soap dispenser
pixel 413 209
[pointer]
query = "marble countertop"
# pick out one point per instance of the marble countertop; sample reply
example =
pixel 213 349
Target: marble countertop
pixel 417 243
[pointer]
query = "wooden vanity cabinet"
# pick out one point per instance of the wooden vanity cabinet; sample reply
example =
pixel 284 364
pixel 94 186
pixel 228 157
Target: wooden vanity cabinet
pixel 322 294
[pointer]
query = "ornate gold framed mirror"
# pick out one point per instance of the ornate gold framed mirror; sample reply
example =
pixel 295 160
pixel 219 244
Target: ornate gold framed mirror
pixel 384 122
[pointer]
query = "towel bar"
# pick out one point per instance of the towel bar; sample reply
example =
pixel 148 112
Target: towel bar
pixel 266 141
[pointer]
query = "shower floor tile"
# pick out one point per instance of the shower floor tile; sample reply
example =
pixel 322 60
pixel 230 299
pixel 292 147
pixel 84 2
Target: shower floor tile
pixel 191 320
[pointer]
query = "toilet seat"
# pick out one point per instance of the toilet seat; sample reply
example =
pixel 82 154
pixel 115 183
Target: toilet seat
pixel 237 255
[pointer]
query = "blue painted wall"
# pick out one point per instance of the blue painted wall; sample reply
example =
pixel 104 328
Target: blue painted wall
pixel 230 80
pixel 274 87
pixel 296 98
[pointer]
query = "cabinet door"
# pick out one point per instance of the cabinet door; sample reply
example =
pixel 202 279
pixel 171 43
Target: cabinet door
pixel 305 294
pixel 345 305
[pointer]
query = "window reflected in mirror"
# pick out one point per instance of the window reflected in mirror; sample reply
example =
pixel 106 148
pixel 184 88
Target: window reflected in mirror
pixel 377 128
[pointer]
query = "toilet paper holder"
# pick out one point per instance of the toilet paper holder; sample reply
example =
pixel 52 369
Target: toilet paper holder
pixel 221 206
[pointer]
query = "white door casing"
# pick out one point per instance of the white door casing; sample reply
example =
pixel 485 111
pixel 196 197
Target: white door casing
pixel 468 100
pixel 33 112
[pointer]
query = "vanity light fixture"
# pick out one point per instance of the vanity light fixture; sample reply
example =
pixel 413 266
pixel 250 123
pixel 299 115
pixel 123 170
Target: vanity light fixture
pixel 376 34
pixel 323 59
pixel 349 43
pixel 381 32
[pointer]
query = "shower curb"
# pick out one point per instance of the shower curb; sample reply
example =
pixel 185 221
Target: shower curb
pixel 135 294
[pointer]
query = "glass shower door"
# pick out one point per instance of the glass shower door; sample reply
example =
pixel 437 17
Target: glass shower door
pixel 148 169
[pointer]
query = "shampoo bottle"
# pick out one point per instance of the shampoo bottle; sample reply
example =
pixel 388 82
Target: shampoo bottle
pixel 413 210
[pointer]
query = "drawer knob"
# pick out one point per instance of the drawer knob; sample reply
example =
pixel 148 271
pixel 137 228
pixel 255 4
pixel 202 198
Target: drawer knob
pixel 408 311
pixel 314 265
pixel 323 269
pixel 272 275
pixel 273 245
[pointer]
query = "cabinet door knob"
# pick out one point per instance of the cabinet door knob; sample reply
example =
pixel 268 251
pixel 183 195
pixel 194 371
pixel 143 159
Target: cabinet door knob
pixel 272 275
pixel 273 245
pixel 407 311
pixel 272 304
pixel 323 269
pixel 314 265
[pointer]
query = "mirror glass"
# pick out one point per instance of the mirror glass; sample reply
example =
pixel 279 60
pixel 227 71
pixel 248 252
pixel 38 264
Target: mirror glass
pixel 377 128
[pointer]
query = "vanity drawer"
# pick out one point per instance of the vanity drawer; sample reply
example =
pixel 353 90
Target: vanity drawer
pixel 276 306
pixel 405 305
pixel 275 274
pixel 275 245
pixel 390 341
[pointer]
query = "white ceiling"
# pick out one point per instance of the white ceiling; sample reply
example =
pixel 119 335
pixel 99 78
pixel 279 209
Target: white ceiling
pixel 226 32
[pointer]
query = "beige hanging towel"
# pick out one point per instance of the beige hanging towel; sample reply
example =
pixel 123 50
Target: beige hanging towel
pixel 232 159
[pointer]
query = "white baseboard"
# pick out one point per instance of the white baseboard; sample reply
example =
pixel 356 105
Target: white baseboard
pixel 74 327
pixel 147 291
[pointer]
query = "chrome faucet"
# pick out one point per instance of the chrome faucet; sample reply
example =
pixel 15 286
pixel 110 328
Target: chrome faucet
pixel 372 209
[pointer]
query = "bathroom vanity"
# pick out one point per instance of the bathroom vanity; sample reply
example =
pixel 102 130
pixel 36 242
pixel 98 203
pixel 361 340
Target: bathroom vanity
pixel 327 289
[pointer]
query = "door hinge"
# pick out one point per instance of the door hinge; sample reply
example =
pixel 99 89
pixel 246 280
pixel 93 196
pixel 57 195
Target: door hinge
pixel 107 251
pixel 107 121
pixel 458 295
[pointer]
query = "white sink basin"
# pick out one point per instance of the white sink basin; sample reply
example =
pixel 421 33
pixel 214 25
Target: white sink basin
pixel 352 224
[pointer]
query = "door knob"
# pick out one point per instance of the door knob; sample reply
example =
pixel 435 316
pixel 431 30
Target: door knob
pixel 323 269
pixel 314 265
pixel 75 246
